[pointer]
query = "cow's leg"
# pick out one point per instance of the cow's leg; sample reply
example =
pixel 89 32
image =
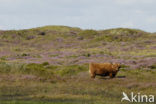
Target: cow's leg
pixel 114 74
pixel 93 75
pixel 111 75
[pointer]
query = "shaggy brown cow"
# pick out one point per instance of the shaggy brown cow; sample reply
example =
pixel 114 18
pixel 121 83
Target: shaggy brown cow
pixel 103 69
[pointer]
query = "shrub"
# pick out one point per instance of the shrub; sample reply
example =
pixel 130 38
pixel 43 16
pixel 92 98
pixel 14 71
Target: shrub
pixel 42 33
pixel 87 55
pixel 25 54
pixel 153 66
pixel 45 63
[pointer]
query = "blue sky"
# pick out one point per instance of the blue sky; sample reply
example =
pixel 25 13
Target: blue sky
pixel 86 14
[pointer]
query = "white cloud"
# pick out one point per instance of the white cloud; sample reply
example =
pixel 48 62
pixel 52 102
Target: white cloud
pixel 151 19
pixel 129 2
pixel 95 14
pixel 10 1
pixel 2 27
pixel 139 11
pixel 126 1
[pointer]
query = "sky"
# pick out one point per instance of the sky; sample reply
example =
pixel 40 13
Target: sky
pixel 85 14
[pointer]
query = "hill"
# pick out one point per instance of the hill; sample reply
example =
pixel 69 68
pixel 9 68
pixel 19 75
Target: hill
pixel 51 42
pixel 50 64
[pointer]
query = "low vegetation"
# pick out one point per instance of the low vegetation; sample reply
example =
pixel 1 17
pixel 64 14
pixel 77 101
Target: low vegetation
pixel 70 86
pixel 49 65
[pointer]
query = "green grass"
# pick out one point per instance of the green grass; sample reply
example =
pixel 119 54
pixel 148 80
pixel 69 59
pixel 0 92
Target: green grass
pixel 71 70
pixel 118 31
pixel 78 89
pixel 44 69
pixel 58 28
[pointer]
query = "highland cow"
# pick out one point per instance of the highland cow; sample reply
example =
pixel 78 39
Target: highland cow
pixel 103 69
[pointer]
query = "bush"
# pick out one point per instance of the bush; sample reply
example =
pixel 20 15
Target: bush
pixel 42 33
pixel 25 54
pixel 87 55
pixel 152 66
pixel 45 63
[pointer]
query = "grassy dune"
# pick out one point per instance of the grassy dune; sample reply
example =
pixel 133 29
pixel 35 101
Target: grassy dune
pixel 26 88
pixel 49 65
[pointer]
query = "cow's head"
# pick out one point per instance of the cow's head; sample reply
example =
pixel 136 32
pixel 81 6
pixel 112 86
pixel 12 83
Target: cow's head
pixel 117 66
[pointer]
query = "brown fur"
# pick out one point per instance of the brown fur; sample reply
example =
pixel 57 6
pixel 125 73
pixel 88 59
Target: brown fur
pixel 103 69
